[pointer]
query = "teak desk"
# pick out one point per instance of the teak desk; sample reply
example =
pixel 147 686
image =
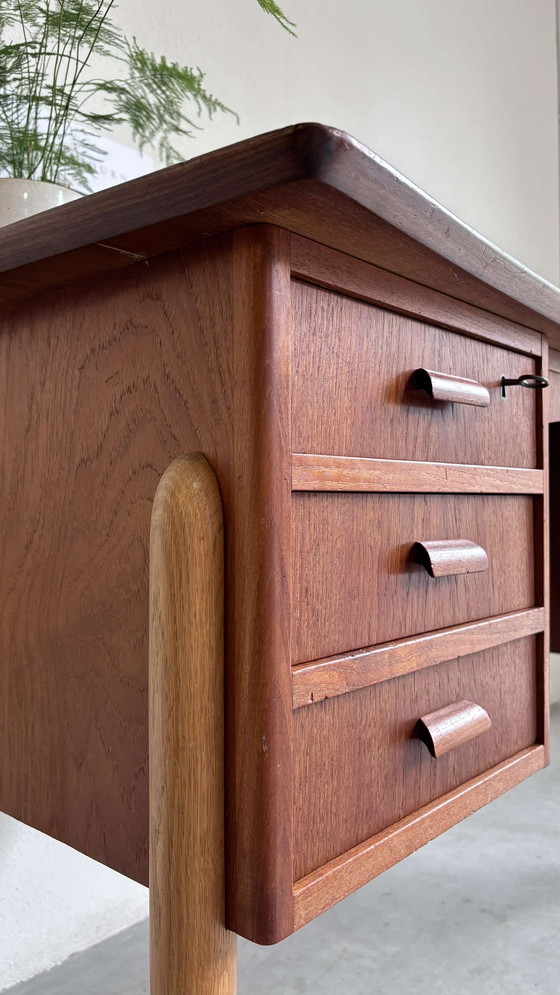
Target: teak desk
pixel 305 353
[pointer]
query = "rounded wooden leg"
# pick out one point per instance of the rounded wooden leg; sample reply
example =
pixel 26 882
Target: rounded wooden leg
pixel 191 951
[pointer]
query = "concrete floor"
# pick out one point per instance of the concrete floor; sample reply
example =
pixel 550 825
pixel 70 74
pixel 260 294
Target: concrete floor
pixel 476 912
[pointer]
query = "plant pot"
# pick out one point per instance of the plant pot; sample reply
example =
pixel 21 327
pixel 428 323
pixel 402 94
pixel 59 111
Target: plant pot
pixel 22 198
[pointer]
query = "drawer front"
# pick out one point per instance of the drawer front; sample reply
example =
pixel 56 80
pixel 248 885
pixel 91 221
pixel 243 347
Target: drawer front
pixel 360 766
pixel 352 364
pixel 354 580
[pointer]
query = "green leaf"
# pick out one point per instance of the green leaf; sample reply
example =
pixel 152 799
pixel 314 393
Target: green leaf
pixel 47 130
pixel 154 97
pixel 270 7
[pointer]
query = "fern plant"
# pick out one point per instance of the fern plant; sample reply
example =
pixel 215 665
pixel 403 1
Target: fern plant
pixel 49 120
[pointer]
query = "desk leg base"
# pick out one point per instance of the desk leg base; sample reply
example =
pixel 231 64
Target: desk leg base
pixel 191 951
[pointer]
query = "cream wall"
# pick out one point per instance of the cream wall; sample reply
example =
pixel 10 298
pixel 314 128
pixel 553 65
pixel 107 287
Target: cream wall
pixel 460 95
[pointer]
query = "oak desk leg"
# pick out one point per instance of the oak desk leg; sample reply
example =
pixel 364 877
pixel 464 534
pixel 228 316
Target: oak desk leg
pixel 191 951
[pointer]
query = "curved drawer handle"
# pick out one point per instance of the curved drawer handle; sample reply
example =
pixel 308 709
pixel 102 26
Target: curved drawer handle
pixel 452 726
pixel 445 387
pixel 447 557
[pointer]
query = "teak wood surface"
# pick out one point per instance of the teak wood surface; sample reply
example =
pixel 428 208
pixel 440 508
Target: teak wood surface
pixel 450 557
pixel 553 360
pixel 353 394
pixel 379 771
pixel 312 472
pixel 331 676
pixel 451 726
pixel 315 263
pixel 447 387
pixel 555 536
pixel 355 581
pixel 554 437
pixel 103 388
pixel 321 889
pixel 104 385
pixel 286 364
pixel 215 376
pixel 554 396
pixel 308 178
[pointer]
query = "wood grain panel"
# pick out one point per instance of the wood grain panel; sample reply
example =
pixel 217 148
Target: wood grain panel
pixel 321 889
pixel 449 557
pixel 554 360
pixel 351 373
pixel 336 675
pixel 258 679
pixel 542 560
pixel 321 265
pixel 554 548
pixel 352 560
pixel 62 270
pixel 554 396
pixel 311 472
pixel 446 387
pixel 452 726
pixel 102 388
pixel 359 767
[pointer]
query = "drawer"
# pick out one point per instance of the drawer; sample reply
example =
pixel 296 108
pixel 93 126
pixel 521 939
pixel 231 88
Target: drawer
pixel 355 584
pixel 360 767
pixel 352 364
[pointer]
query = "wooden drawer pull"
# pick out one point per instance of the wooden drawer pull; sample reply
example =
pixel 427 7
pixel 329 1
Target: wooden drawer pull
pixel 445 387
pixel 452 726
pixel 447 557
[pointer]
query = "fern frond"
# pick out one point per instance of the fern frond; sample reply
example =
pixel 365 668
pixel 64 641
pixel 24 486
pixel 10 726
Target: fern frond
pixel 83 24
pixel 152 100
pixel 271 7
pixel 46 128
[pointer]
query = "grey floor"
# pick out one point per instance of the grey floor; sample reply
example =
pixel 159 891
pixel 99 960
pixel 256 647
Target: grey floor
pixel 476 912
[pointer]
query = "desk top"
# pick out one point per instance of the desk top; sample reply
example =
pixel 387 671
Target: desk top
pixel 311 179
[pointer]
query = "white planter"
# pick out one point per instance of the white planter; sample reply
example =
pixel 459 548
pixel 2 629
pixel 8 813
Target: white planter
pixel 22 198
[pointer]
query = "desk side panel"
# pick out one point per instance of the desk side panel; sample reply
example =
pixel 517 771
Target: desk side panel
pixel 103 385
